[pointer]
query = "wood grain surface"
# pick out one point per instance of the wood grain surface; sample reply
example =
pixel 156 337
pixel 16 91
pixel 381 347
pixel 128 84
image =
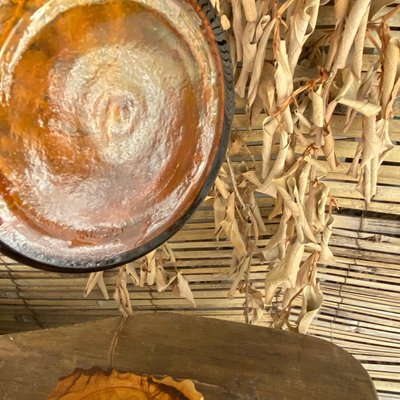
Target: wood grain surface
pixel 226 360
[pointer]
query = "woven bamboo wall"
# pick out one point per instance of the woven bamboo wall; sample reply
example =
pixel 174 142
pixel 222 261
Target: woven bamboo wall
pixel 361 312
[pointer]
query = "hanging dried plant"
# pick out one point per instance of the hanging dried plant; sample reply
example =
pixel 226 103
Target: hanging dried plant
pixel 150 273
pixel 299 90
pixel 299 83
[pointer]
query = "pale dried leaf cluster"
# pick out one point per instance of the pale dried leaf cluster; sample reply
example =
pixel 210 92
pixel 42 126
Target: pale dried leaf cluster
pixel 148 272
pixel 299 83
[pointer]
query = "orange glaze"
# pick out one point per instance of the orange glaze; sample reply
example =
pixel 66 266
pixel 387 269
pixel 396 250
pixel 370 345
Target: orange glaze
pixel 110 113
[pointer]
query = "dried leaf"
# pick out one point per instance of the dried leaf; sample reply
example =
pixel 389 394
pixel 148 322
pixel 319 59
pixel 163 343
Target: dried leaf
pixel 280 235
pixel 231 229
pixel 312 302
pixel 389 108
pixel 341 9
pixel 283 74
pixel 131 271
pixel 317 165
pixel 250 10
pixel 222 187
pixel 301 25
pixel 121 294
pixel 249 54
pixel 151 268
pixel 216 4
pixel 255 302
pixel 161 279
pixel 267 187
pixel 169 252
pixel 377 5
pixel 363 107
pixel 143 275
pixel 270 126
pixel 334 42
pixel 241 267
pixel 353 23
pixel 96 278
pixel 266 88
pixel 288 200
pixel 390 70
pixel 365 87
pixel 219 212
pixel 238 145
pixel 280 318
pixel 256 213
pixel 304 122
pixel 375 146
pixel 161 287
pixel 321 206
pixel 269 256
pixel 255 110
pixel 259 63
pixel 285 272
pixel 303 181
pixel 326 255
pixel 278 208
pixel 284 84
pixel 359 42
pixel 328 148
pixel 318 108
pixel 302 225
pixel 305 277
pixel 252 177
pixel 350 87
pixel 184 289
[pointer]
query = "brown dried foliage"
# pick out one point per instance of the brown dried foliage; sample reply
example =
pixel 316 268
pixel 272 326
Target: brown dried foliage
pixel 299 83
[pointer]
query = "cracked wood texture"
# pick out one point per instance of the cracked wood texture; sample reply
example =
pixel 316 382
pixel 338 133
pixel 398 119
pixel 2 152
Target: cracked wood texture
pixel 226 360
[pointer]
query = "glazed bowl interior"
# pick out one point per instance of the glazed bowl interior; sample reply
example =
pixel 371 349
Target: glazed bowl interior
pixel 114 118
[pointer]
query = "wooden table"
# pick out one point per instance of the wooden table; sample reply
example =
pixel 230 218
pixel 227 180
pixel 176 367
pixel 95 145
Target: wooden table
pixel 228 361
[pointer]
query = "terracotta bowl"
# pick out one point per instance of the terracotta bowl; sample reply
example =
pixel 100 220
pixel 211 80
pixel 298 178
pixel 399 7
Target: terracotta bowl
pixel 114 120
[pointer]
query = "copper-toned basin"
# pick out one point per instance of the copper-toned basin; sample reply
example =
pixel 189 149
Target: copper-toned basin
pixel 114 119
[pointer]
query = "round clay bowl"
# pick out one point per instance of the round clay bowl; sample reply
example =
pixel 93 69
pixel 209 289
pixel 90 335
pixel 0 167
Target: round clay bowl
pixel 114 119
